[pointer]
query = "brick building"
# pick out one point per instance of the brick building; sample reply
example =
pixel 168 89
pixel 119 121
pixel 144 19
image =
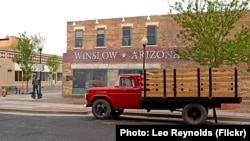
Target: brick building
pixel 10 72
pixel 99 50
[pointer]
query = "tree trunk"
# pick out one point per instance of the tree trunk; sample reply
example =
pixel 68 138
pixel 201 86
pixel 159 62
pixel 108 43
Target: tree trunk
pixel 27 87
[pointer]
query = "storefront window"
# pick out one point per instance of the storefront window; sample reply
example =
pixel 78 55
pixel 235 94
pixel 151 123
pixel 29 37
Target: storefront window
pixel 86 78
pixel 124 71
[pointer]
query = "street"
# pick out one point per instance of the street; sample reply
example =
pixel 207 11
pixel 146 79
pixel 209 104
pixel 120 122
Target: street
pixel 54 127
pixel 19 127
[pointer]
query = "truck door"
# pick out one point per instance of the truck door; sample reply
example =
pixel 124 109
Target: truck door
pixel 127 94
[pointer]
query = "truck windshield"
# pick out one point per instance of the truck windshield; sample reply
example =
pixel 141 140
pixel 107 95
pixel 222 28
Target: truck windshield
pixel 117 82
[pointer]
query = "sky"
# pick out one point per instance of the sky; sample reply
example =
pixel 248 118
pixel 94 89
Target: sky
pixel 49 17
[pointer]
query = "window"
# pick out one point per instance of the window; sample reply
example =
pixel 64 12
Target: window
pixel 121 71
pixel 18 76
pixel 79 38
pixel 59 76
pixel 126 36
pixel 127 82
pixel 151 34
pixel 100 37
pixel 85 78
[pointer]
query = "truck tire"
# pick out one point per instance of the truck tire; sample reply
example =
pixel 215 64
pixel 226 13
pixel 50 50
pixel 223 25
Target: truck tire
pixel 194 114
pixel 101 109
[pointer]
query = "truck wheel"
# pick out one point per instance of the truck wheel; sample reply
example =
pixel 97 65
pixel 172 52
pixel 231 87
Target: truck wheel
pixel 101 109
pixel 117 113
pixel 194 114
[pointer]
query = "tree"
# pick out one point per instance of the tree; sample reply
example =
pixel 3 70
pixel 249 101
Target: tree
pixel 207 29
pixel 24 57
pixel 53 65
pixel 36 39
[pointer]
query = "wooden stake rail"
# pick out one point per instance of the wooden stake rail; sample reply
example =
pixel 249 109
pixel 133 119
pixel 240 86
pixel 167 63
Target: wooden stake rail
pixel 190 82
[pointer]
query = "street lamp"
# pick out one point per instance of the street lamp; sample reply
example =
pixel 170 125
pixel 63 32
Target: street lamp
pixel 40 48
pixel 144 42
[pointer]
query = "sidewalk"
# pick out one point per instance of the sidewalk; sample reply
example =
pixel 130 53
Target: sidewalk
pixel 53 102
pixel 48 104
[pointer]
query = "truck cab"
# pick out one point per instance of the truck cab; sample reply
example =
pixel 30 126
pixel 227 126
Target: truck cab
pixel 125 94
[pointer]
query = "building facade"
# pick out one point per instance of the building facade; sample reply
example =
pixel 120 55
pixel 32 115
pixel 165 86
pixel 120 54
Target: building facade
pixel 99 50
pixel 11 73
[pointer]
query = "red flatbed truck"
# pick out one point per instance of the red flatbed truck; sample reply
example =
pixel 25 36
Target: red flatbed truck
pixel 191 91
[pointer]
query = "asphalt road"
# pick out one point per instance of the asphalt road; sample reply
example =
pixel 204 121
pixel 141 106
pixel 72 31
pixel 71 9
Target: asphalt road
pixel 53 127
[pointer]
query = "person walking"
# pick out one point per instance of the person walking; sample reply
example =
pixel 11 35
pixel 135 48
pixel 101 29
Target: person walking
pixel 35 84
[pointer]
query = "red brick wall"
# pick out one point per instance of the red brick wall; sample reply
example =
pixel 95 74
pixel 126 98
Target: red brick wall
pixel 166 37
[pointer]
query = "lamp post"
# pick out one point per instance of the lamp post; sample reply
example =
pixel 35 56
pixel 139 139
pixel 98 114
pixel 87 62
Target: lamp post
pixel 40 48
pixel 144 42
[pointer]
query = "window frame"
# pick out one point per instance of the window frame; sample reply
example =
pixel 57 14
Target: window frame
pixel 152 37
pixel 103 37
pixel 78 39
pixel 129 37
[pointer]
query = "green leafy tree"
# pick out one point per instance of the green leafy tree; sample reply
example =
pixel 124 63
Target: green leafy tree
pixel 23 57
pixel 53 65
pixel 207 29
pixel 37 39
